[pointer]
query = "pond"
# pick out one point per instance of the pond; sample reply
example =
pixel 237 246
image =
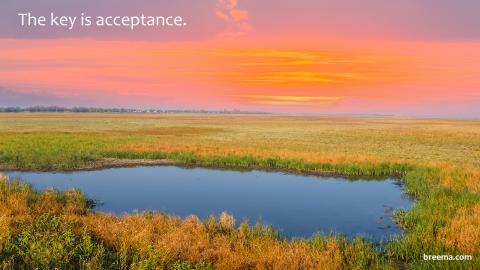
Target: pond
pixel 297 205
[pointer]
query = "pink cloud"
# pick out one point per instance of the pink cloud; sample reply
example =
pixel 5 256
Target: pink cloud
pixel 236 19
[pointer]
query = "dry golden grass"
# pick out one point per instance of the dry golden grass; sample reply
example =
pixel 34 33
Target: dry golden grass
pixel 207 150
pixel 460 178
pixel 20 206
pixel 192 240
pixel 4 219
pixel 463 232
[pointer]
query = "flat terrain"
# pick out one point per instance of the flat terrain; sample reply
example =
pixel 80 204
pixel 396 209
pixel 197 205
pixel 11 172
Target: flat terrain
pixel 382 139
pixel 439 161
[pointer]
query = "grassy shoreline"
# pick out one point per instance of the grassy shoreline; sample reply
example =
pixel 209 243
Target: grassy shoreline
pixel 445 219
pixel 112 163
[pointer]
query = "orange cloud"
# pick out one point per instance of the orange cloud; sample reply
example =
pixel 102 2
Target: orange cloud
pixel 262 68
pixel 234 17
pixel 317 101
pixel 239 15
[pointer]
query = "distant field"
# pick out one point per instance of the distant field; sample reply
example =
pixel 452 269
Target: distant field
pixel 380 139
pixel 439 160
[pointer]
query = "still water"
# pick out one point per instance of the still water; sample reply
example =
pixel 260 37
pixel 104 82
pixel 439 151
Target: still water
pixel 297 205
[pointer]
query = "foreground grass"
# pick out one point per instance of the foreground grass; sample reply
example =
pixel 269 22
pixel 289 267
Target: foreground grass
pixel 437 159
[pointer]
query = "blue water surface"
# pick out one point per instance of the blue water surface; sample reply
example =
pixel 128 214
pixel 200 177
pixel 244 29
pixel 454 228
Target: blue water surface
pixel 297 205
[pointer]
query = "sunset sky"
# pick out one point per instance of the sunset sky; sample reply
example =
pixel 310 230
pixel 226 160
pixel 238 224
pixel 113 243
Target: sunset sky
pixel 406 58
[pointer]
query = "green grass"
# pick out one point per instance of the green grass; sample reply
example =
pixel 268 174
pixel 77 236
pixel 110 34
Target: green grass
pixel 437 159
pixel 50 243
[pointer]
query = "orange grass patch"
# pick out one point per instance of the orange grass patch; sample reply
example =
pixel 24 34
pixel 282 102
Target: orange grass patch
pixel 19 204
pixel 222 150
pixel 458 178
pixel 171 131
pixel 463 232
pixel 194 241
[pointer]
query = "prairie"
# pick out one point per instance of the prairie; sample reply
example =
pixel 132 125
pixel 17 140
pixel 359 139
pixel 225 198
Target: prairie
pixel 438 159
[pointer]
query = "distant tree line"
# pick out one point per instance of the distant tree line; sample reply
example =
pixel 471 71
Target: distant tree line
pixel 117 110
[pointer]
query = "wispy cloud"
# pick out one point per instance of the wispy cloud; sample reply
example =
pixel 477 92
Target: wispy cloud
pixel 236 19
pixel 263 68
pixel 317 101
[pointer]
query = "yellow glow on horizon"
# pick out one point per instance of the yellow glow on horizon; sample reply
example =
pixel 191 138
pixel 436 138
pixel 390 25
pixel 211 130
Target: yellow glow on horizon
pixel 251 67
pixel 292 100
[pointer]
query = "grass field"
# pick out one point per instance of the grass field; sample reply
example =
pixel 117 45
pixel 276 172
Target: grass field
pixel 439 161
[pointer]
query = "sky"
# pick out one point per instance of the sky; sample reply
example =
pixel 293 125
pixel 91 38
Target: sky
pixel 405 58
